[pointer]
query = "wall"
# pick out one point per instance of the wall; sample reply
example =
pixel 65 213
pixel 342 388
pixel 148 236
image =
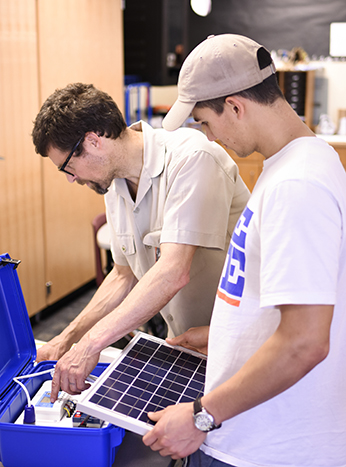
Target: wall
pixel 277 24
pixel 335 73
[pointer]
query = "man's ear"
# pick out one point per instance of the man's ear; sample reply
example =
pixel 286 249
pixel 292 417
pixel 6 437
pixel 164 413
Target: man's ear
pixel 235 105
pixel 93 139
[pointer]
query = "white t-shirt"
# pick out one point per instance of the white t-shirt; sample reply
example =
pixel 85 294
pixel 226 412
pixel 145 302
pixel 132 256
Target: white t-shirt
pixel 189 192
pixel 289 247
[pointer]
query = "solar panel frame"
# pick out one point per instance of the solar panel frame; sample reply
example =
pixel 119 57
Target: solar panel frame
pixel 147 376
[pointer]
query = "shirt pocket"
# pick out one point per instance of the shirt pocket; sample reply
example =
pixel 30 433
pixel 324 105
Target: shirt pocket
pixel 127 244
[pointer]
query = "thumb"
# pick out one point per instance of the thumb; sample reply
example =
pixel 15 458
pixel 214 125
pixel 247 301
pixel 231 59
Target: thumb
pixel 178 340
pixel 155 416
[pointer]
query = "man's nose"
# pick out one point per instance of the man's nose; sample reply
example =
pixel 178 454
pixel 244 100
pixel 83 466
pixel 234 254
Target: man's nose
pixel 210 135
pixel 71 178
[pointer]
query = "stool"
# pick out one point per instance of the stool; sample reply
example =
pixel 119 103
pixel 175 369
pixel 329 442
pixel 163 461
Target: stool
pixel 98 222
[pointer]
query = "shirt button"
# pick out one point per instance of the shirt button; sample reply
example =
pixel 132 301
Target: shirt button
pixel 170 317
pixel 123 248
pixel 136 210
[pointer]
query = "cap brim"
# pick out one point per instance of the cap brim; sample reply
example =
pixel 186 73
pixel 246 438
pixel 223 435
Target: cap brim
pixel 177 115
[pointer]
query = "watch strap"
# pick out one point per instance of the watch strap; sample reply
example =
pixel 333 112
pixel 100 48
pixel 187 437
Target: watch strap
pixel 197 407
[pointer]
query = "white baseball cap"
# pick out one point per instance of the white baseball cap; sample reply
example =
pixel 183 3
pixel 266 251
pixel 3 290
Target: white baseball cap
pixel 219 66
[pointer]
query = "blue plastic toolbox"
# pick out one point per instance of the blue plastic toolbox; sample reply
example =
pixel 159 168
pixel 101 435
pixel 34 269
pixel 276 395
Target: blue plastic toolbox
pixel 23 445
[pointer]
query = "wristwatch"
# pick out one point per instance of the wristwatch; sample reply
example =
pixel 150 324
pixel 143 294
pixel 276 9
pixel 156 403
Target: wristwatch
pixel 204 421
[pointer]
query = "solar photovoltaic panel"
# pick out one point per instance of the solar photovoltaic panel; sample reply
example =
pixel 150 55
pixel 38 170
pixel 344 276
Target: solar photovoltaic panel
pixel 148 376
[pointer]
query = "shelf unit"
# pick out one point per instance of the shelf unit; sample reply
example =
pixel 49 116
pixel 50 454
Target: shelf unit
pixel 298 87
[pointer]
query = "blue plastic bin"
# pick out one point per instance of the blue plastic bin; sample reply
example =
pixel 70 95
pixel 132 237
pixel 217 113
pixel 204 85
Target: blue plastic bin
pixel 31 445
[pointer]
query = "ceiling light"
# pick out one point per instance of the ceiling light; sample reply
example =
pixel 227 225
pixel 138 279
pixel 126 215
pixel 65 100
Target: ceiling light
pixel 201 7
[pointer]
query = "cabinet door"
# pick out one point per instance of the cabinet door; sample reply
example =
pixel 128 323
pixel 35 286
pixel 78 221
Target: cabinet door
pixel 250 167
pixel 80 41
pixel 21 227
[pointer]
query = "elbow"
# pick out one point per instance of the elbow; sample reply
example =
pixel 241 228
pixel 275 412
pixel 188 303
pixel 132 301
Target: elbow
pixel 183 280
pixel 315 354
pixel 179 278
pixel 321 352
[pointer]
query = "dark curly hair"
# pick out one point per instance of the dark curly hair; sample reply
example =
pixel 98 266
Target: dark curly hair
pixel 69 113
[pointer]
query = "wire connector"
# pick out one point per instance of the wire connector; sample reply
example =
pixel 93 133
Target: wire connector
pixel 29 415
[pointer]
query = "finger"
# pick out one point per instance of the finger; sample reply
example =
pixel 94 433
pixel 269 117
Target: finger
pixel 184 344
pixel 67 384
pixel 149 438
pixel 178 340
pixel 155 416
pixel 80 384
pixel 73 389
pixel 55 386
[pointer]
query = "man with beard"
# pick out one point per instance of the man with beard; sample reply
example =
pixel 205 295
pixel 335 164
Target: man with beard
pixel 172 202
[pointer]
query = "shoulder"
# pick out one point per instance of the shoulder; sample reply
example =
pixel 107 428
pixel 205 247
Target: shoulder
pixel 188 143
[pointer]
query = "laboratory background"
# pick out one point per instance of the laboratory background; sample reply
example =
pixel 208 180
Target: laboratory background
pixel 133 50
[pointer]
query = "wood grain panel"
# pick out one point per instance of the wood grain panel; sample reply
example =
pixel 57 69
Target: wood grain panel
pixel 21 227
pixel 80 41
pixel 341 150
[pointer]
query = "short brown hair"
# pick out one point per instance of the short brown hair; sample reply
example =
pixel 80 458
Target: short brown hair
pixel 69 113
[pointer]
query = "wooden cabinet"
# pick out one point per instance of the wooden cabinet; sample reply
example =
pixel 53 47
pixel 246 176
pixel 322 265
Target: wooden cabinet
pixel 342 154
pixel 251 167
pixel 85 39
pixel 340 148
pixel 45 221
pixel 21 227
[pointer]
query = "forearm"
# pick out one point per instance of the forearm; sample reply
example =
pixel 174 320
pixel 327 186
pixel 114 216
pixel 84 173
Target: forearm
pixel 108 296
pixel 281 362
pixel 148 297
pixel 150 294
pixel 300 342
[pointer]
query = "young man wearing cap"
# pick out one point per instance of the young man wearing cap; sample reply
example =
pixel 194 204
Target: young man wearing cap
pixel 275 386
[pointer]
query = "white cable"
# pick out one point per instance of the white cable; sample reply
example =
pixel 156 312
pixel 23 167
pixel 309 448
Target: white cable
pixel 25 390
pixel 17 378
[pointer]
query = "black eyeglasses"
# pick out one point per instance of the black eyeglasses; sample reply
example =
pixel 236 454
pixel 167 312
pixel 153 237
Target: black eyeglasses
pixel 67 160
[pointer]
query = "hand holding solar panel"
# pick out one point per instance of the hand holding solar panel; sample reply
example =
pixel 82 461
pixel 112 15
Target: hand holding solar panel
pixel 175 433
pixel 195 339
pixel 148 376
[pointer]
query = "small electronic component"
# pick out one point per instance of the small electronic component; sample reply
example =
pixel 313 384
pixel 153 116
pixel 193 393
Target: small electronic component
pixel 41 411
pixel 82 420
pixel 69 408
pixel 45 410
pixel 46 413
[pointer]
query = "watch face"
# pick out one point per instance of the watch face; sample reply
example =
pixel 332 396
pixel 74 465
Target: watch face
pixel 204 421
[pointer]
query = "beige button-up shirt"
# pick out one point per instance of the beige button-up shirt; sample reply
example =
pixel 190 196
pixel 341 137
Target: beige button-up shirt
pixel 189 192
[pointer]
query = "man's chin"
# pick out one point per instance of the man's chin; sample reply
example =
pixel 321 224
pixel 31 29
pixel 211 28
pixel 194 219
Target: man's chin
pixel 96 187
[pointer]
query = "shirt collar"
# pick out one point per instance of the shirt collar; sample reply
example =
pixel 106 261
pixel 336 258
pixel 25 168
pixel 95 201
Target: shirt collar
pixel 154 150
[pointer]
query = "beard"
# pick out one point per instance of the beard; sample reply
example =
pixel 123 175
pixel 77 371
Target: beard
pixel 98 188
pixel 94 186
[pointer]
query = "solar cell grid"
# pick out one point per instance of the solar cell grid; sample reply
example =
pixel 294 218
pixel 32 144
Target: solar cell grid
pixel 149 376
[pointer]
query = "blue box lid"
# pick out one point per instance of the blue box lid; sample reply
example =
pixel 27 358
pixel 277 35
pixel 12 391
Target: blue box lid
pixel 17 344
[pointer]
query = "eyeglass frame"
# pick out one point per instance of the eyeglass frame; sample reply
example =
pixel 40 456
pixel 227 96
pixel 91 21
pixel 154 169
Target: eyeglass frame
pixel 67 160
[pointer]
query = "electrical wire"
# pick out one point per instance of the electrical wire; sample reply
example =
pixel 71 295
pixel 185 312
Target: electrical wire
pixel 17 378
